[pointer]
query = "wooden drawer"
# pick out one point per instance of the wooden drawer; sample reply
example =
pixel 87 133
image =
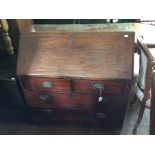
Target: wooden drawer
pixel 108 87
pixel 49 99
pixel 90 101
pixel 77 116
pixel 35 83
pixel 69 100
pixel 110 118
pixel 38 98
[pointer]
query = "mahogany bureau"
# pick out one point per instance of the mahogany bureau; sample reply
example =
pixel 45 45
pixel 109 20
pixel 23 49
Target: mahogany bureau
pixel 76 73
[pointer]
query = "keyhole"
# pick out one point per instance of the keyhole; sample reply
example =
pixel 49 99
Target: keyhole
pixel 73 37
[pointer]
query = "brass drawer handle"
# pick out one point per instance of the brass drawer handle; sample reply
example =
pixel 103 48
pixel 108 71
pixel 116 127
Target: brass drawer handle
pixel 47 84
pixel 71 107
pixel 101 115
pixel 48 111
pixel 44 97
pixel 98 86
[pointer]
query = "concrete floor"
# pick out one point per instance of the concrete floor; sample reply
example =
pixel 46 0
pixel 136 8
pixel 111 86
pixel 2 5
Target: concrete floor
pixel 130 119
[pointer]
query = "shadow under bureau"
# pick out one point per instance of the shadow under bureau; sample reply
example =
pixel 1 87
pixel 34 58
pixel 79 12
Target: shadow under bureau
pixel 76 73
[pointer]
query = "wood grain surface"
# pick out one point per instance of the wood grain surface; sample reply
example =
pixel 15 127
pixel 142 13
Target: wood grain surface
pixel 96 55
pixel 73 60
pixel 70 100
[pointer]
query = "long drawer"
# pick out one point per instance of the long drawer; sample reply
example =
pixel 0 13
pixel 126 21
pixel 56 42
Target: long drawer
pixel 74 100
pixel 77 116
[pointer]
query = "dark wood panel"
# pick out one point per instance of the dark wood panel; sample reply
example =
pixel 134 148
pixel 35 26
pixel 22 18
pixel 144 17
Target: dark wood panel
pixel 74 116
pixel 109 87
pixel 90 101
pixel 38 98
pixel 79 54
pixel 49 99
pixel 85 101
pixel 77 116
pixel 36 83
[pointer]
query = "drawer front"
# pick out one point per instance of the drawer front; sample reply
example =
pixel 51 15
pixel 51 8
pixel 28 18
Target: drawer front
pixel 38 98
pixel 68 100
pixel 91 101
pixel 74 116
pixel 107 87
pixel 77 116
pixel 110 118
pixel 49 99
pixel 31 83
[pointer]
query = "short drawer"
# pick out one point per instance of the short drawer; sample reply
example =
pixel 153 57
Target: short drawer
pixel 107 87
pixel 38 98
pixel 49 99
pixel 35 83
pixel 90 101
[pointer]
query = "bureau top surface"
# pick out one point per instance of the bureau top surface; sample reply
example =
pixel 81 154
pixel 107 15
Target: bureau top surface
pixel 146 30
pixel 54 28
pixel 79 54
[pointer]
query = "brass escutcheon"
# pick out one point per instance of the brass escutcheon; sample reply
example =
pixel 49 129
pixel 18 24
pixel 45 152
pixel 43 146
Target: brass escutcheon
pixel 73 37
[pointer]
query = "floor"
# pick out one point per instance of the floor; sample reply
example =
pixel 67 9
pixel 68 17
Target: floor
pixel 130 119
